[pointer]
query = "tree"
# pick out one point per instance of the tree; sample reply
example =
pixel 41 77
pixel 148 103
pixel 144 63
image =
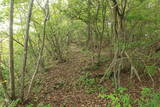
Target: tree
pixel 89 39
pixel 11 50
pixel 26 48
pixel 46 12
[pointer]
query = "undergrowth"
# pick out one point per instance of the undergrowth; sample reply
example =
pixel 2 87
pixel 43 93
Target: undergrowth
pixel 90 84
pixel 120 98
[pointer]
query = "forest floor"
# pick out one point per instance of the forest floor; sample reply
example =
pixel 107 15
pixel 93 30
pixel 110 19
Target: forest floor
pixel 59 88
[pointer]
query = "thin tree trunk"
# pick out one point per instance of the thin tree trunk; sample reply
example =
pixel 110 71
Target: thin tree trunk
pixel 89 24
pixel 11 50
pixel 119 36
pixel 103 28
pixel 41 51
pixel 26 48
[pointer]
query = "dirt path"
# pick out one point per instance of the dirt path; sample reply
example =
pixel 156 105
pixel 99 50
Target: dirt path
pixel 59 84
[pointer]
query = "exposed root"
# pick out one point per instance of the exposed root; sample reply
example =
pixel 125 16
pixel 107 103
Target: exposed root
pixel 133 69
pixel 116 67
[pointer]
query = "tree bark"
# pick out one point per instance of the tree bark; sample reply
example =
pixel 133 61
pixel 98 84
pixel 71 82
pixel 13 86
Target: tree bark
pixel 26 48
pixel 89 24
pixel 103 28
pixel 11 51
pixel 42 48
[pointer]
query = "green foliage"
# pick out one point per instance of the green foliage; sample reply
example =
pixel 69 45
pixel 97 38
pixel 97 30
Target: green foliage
pixel 69 24
pixel 86 81
pixel 144 43
pixel 77 9
pixel 30 105
pixel 16 1
pixel 5 74
pixel 90 84
pixel 2 98
pixel 149 98
pixel 118 98
pixel 44 105
pixel 156 55
pixel 14 103
pixel 151 70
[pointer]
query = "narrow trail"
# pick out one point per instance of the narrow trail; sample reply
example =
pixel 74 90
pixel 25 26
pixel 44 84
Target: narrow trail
pixel 58 86
pixel 59 83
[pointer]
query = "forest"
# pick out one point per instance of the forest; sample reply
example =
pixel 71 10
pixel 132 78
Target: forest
pixel 79 53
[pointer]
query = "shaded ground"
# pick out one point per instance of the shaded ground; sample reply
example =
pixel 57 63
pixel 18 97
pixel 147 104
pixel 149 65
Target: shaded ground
pixel 58 86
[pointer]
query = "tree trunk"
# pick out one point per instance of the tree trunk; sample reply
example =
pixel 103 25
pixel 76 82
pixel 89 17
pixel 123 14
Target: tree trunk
pixel 88 42
pixel 119 36
pixel 26 48
pixel 11 50
pixel 42 48
pixel 103 28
